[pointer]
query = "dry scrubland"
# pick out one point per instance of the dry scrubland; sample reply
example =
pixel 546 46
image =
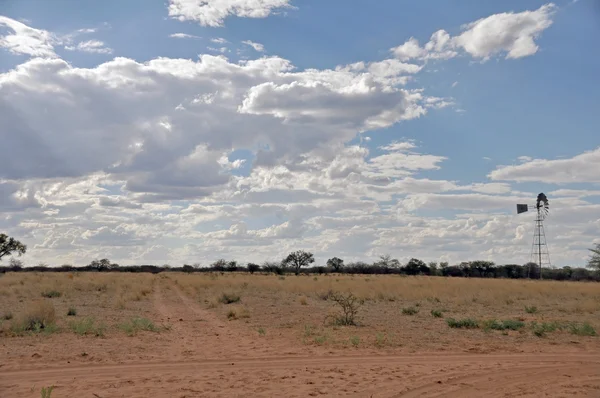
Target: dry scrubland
pixel 51 319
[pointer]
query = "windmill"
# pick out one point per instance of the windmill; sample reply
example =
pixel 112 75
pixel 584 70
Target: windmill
pixel 539 248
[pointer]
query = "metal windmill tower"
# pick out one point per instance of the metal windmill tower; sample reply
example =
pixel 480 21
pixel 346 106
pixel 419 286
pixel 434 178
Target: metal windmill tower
pixel 540 254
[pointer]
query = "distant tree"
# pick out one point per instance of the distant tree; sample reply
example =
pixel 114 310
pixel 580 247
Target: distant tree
pixel 416 267
pixel 336 263
pixel 15 263
pixel 9 245
pixel 196 265
pixel 433 268
pixel 231 266
pixel 386 261
pixel 103 265
pixel 276 268
pixel 188 268
pixel 594 261
pixel 298 259
pixel 219 265
pixel 252 268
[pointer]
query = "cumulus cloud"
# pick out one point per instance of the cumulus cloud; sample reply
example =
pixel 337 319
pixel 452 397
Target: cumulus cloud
pixel 214 12
pixel 183 36
pixel 507 33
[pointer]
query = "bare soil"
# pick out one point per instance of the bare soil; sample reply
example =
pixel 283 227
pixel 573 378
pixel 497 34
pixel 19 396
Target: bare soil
pixel 205 355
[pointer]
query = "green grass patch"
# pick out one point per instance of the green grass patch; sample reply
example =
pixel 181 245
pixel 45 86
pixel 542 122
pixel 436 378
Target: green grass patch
pixel 531 310
pixel 355 341
pixel 47 392
pixel 466 323
pixel 137 324
pixel 410 311
pixel 583 329
pixel 436 313
pixel 509 324
pixel 261 332
pixel 87 327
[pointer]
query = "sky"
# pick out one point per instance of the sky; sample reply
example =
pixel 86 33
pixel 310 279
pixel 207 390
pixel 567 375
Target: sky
pixel 185 131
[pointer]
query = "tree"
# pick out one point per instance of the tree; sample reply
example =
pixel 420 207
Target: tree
pixel 336 263
pixel 16 264
pixel 416 267
pixel 9 245
pixel 252 268
pixel 594 261
pixel 103 265
pixel 298 259
pixel 386 261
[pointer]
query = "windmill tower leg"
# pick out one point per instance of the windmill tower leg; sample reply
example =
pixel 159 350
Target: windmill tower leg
pixel 540 254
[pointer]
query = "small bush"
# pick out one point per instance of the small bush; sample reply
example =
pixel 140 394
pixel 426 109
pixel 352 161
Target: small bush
pixel 232 315
pixel 584 329
pixel 380 340
pixel 466 323
pixel 87 326
pixel 541 329
pixel 410 311
pixel 355 340
pixel 509 324
pixel 237 313
pixel 261 332
pixel 436 313
pixel 531 310
pixel 72 311
pixel 136 325
pixel 47 392
pixel 51 294
pixel 39 316
pixel 349 304
pixel 325 295
pixel 303 301
pixel 8 316
pixel 229 298
pixel 320 340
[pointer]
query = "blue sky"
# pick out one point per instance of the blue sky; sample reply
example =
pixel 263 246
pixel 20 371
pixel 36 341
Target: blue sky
pixel 155 111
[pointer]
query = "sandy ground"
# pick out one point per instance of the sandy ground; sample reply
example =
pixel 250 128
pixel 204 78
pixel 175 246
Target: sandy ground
pixel 205 356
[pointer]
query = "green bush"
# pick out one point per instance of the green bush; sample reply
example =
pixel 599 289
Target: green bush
pixel 531 310
pixel 508 324
pixel 87 326
pixel 410 311
pixel 436 313
pixel 51 294
pixel 466 323
pixel 136 325
pixel 584 329
pixel 72 311
pixel 541 329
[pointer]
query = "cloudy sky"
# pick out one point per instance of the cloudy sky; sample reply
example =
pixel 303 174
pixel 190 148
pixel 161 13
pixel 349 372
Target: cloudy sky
pixel 184 131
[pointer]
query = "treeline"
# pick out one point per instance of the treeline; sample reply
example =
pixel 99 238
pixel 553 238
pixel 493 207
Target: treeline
pixel 472 269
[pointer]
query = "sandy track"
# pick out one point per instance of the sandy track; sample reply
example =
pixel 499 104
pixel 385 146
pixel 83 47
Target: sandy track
pixel 208 357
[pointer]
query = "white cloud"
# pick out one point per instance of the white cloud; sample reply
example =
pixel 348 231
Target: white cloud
pixel 219 40
pixel 214 12
pixel 581 168
pixel 256 46
pixel 90 46
pixel 183 36
pixel 26 40
pixel 510 33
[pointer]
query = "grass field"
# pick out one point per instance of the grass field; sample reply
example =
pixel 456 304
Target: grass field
pixel 105 318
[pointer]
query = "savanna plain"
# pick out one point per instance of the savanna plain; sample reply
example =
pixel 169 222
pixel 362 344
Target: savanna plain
pixel 235 334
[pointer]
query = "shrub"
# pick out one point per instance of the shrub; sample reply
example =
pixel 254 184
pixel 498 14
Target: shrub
pixel 261 332
pixel 229 298
pixel 325 295
pixel 466 323
pixel 39 316
pixel 540 329
pixel 87 326
pixel 509 324
pixel 436 313
pixel 355 340
pixel 410 311
pixel 7 316
pixel 137 324
pixel 51 294
pixel 232 315
pixel 72 311
pixel 531 310
pixel 303 300
pixel 47 392
pixel 349 304
pixel 584 329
